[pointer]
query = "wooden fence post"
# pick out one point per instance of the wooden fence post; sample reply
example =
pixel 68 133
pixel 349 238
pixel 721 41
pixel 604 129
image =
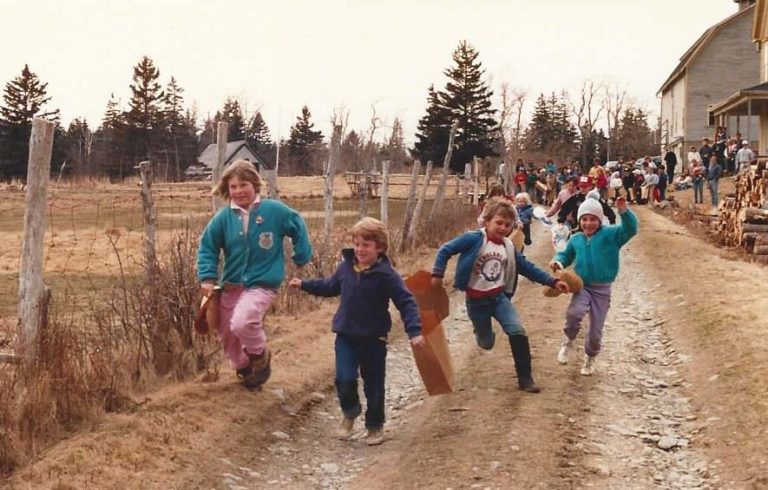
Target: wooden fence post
pixel 467 179
pixel 508 178
pixel 363 190
pixel 476 179
pixel 273 191
pixel 150 219
pixel 330 173
pixel 444 176
pixel 221 155
pixel 410 204
pixel 385 192
pixel 32 295
pixel 415 220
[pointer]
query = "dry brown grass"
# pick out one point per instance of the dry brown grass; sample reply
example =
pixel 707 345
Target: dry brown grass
pixel 113 333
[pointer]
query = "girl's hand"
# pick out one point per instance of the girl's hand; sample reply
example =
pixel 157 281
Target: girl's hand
pixel 621 204
pixel 418 342
pixel 206 289
pixel 295 283
pixel 554 266
pixel 436 282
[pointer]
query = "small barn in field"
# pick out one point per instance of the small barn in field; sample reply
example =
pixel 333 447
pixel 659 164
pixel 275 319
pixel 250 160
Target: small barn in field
pixel 236 150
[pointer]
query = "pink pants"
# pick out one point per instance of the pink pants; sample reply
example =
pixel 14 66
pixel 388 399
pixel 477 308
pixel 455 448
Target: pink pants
pixel 241 330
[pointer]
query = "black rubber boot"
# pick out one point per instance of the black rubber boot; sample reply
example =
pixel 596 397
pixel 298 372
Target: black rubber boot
pixel 260 370
pixel 521 352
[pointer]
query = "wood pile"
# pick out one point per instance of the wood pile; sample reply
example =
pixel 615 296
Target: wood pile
pixel 744 215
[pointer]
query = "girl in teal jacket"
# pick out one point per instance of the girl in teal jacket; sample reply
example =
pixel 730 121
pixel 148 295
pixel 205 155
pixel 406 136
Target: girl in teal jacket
pixel 249 232
pixel 595 255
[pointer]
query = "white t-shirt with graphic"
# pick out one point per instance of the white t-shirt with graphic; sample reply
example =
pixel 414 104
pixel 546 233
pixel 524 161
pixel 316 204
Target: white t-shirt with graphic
pixel 487 277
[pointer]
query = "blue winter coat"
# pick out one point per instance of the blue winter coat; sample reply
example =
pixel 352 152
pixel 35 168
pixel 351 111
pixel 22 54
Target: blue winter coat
pixel 470 245
pixel 364 306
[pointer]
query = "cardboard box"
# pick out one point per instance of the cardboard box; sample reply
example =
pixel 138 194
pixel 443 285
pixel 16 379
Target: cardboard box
pixel 434 359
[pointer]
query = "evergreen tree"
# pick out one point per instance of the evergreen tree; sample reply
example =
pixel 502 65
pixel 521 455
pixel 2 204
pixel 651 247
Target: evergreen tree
pixel 180 130
pixel 111 141
pixel 208 134
pixel 467 99
pixel 24 97
pixel 303 142
pixel 232 114
pixel 260 139
pixel 145 114
pixel 550 131
pixel 432 130
pixel 78 147
pixel 634 137
pixel 352 152
pixel 395 150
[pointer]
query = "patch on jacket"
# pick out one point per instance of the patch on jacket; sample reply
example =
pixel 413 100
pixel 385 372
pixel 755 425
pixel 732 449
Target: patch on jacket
pixel 266 240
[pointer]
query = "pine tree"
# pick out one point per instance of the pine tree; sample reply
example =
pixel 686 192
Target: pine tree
pixel 432 131
pixel 468 99
pixel 634 137
pixel 111 141
pixel 352 152
pixel 395 150
pixel 232 114
pixel 180 130
pixel 260 139
pixel 78 147
pixel 24 97
pixel 303 141
pixel 145 114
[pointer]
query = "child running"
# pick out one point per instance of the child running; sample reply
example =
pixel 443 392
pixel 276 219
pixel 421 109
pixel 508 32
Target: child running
pixel 366 281
pixel 487 272
pixel 525 214
pixel 595 255
pixel 250 232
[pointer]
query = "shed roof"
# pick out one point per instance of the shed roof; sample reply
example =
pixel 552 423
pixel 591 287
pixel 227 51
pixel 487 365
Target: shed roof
pixel 210 154
pixel 700 44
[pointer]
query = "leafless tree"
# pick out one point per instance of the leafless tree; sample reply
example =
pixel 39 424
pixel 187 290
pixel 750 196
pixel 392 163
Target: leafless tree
pixel 586 110
pixel 615 98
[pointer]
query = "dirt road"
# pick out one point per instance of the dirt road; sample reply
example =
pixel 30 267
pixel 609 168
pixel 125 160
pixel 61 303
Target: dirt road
pixel 678 400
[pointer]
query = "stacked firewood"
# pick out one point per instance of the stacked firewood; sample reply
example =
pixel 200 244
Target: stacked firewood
pixel 743 219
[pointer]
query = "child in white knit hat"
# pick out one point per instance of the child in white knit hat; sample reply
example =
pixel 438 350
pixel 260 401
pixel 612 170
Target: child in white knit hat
pixel 595 255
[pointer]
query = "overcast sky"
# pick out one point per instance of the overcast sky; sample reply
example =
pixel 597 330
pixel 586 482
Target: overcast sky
pixel 279 55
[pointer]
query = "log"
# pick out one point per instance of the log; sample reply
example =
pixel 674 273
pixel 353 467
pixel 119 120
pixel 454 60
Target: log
pixel 446 167
pixel 385 192
pixel 221 155
pixel 31 286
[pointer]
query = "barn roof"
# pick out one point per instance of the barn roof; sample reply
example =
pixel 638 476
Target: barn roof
pixel 698 46
pixel 210 154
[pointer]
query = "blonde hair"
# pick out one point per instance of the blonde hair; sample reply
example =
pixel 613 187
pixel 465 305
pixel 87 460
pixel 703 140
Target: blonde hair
pixel 243 170
pixel 524 195
pixel 372 229
pixel 501 206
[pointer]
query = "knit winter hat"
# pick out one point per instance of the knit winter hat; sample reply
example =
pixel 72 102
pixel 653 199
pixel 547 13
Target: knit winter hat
pixel 591 206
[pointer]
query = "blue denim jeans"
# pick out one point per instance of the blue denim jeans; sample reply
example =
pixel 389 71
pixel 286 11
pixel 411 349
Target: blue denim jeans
pixel 713 188
pixel 369 356
pixel 698 191
pixel 480 312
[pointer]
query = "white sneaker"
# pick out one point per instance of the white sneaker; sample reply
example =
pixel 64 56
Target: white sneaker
pixel 589 366
pixel 565 347
pixel 346 428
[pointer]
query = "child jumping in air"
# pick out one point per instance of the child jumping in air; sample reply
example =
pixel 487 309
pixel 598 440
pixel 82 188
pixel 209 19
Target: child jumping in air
pixel 366 281
pixel 249 231
pixel 595 255
pixel 487 272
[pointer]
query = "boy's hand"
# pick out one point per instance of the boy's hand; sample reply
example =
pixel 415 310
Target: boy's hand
pixel 554 266
pixel 562 286
pixel 621 204
pixel 295 283
pixel 206 289
pixel 418 342
pixel 436 282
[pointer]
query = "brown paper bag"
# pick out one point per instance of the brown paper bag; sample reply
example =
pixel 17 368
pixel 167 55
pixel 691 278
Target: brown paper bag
pixel 434 359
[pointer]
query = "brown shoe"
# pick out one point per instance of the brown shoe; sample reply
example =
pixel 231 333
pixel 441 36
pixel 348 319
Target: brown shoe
pixel 260 370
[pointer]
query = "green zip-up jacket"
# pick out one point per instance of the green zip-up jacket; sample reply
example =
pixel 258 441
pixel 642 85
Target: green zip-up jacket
pixel 255 259
pixel 596 258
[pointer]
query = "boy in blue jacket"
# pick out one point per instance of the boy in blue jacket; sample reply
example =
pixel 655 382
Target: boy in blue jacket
pixel 595 255
pixel 487 272
pixel 249 231
pixel 366 281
